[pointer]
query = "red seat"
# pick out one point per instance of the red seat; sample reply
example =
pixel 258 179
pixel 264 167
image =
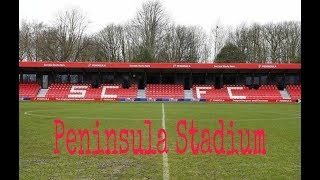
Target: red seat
pixel 64 90
pixel 294 91
pixel 164 91
pixel 264 92
pixel 28 89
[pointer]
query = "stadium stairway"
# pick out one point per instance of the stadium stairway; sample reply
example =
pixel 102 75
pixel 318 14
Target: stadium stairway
pixel 164 91
pixel 188 94
pixel 141 93
pixel 285 94
pixel 42 93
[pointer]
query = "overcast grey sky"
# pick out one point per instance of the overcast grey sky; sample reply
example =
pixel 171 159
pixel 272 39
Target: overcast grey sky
pixel 204 13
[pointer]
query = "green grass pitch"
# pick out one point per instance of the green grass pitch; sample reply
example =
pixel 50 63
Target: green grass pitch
pixel 281 122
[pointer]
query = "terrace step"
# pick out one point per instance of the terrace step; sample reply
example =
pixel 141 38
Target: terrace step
pixel 285 94
pixel 188 94
pixel 141 93
pixel 42 93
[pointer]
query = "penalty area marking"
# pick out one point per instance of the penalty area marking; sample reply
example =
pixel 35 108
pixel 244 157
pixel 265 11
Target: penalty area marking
pixel 164 155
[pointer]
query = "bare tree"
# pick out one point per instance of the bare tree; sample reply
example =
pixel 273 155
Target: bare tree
pixel 290 45
pixel 185 44
pixel 256 52
pixel 196 47
pixel 274 35
pixel 269 43
pixel 50 45
pixel 219 36
pixel 150 24
pixel 132 42
pixel 91 50
pixel 30 40
pixel 25 41
pixel 111 43
pixel 70 27
pixel 151 36
pixel 168 46
pixel 240 38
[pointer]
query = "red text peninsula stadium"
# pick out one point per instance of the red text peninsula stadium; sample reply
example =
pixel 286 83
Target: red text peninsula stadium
pixel 204 82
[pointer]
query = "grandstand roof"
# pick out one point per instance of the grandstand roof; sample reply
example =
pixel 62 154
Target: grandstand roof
pixel 106 65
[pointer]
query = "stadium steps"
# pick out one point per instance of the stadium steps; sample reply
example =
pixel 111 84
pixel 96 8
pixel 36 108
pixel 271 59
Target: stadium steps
pixel 42 93
pixel 188 94
pixel 285 94
pixel 141 93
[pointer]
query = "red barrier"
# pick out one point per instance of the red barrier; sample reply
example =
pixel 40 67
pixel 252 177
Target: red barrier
pixel 253 100
pixel 158 65
pixel 207 100
pixel 72 99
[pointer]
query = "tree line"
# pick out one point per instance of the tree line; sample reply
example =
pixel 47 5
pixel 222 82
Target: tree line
pixel 151 36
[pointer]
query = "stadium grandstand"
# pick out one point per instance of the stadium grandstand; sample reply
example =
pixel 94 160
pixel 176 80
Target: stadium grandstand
pixel 210 82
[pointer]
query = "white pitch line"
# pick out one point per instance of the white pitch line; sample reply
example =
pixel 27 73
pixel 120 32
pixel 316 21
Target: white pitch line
pixel 164 155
